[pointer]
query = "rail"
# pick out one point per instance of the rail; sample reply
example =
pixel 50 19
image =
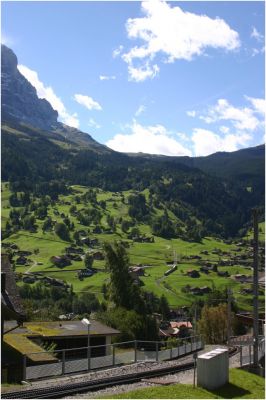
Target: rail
pixel 97 384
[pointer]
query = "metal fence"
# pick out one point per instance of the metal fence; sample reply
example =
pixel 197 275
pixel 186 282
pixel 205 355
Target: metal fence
pixel 246 350
pixel 61 362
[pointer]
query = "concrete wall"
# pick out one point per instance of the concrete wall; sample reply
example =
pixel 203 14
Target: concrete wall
pixel 213 369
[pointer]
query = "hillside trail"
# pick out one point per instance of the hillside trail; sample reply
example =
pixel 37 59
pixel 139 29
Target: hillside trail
pixel 32 266
pixel 158 283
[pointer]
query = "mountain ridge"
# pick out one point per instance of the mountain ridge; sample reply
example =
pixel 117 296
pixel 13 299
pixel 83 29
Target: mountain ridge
pixel 38 158
pixel 21 104
pixel 215 163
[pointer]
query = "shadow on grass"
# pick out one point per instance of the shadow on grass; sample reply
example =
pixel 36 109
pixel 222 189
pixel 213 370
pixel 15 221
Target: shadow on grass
pixel 230 391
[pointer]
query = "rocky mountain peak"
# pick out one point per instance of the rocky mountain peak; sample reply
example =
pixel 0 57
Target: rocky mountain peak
pixel 19 97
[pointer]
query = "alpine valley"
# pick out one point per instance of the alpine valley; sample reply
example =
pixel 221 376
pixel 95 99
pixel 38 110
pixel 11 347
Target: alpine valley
pixel 64 195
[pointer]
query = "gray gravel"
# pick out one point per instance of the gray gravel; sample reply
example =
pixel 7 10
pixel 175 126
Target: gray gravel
pixel 181 377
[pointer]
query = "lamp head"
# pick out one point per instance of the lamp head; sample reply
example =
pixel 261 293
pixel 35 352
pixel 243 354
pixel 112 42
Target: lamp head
pixel 85 321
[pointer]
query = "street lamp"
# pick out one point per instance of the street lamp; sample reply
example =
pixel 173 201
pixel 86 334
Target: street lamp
pixel 87 323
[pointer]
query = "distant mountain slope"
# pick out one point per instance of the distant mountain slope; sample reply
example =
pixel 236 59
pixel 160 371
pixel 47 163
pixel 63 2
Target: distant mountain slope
pixel 19 97
pixel 245 166
pixel 21 106
pixel 38 150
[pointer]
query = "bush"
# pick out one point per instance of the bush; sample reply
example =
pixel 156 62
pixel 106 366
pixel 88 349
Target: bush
pixel 62 231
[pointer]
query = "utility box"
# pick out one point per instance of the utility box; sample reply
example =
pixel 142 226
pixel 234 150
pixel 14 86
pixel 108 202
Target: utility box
pixel 213 369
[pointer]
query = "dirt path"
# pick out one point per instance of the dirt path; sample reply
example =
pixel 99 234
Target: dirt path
pixel 32 266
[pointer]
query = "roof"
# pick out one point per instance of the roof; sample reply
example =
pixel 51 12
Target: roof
pixel 24 345
pixel 11 305
pixel 167 332
pixel 181 323
pixel 69 328
pixel 20 338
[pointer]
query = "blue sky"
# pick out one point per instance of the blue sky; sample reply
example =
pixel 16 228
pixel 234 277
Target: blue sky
pixel 175 78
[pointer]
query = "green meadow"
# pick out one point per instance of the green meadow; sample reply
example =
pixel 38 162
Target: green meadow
pixel 153 256
pixel 241 385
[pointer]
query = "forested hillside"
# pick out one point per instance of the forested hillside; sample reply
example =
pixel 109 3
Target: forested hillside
pixel 34 162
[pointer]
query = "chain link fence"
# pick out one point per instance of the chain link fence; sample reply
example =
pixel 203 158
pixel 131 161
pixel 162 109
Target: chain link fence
pixel 61 362
pixel 246 349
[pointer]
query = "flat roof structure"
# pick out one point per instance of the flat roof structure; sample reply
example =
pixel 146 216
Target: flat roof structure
pixel 57 329
pixel 23 338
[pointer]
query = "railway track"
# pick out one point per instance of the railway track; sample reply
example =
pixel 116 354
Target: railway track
pixel 97 384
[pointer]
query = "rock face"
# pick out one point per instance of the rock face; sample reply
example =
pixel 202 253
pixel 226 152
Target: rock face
pixel 19 97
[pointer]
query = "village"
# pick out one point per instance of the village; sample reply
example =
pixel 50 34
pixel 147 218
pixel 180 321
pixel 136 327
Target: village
pixel 220 266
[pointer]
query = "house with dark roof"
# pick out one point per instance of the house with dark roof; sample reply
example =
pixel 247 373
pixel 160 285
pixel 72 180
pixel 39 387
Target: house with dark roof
pixel 193 273
pixel 60 261
pixel 98 255
pixel 22 341
pixel 25 343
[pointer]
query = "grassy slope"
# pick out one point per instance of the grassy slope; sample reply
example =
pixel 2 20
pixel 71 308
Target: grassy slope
pixel 241 384
pixel 261 232
pixel 153 254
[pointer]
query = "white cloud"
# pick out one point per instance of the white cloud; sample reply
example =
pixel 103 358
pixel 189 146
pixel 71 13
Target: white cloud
pixel 224 129
pixel 254 52
pixel 191 113
pixel 140 110
pixel 258 104
pixel 87 102
pixel 139 74
pixel 93 124
pixel 6 40
pixel 256 35
pixel 241 118
pixel 71 120
pixel 172 32
pixel 47 93
pixel 207 142
pixel 207 119
pixel 106 77
pixel 183 136
pixel 148 139
pixel 118 51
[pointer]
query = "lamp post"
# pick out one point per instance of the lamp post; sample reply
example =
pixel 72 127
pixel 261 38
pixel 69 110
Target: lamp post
pixel 87 323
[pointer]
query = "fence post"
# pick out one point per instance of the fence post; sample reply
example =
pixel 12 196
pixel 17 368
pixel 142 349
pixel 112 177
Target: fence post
pixel 178 350
pixel 89 358
pixel 249 349
pixel 136 354
pixel 24 375
pixel 157 352
pixel 113 354
pixel 185 347
pixel 191 345
pixel 63 362
pixel 241 358
pixel 171 352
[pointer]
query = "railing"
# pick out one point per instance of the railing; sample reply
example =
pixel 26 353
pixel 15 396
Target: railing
pixel 245 344
pixel 67 361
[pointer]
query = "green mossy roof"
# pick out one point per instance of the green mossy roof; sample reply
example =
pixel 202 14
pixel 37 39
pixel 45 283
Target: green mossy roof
pixel 21 343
